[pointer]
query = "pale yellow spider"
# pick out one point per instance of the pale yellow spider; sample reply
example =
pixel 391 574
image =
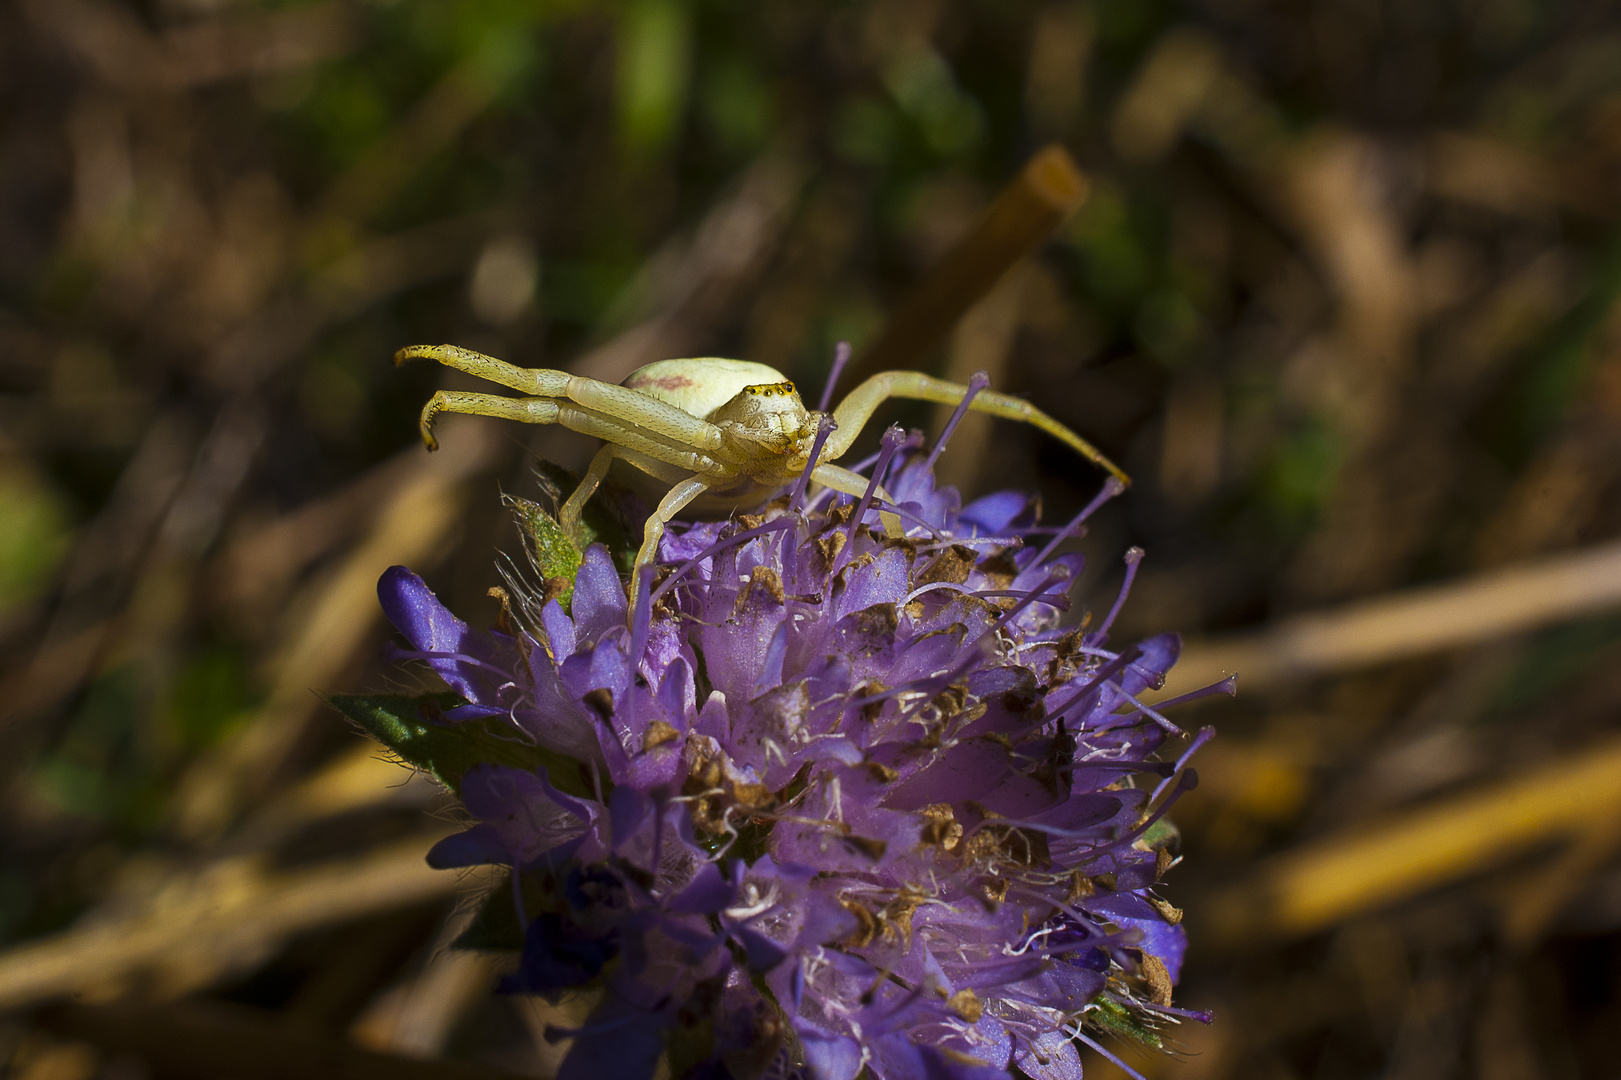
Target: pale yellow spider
pixel 723 434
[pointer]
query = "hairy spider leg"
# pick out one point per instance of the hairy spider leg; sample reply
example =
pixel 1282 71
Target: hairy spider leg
pixel 658 470
pixel 575 418
pixel 628 407
pixel 854 485
pixel 855 410
pixel 568 515
pixel 524 410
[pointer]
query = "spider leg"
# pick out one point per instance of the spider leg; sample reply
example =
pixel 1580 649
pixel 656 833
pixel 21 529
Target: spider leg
pixel 568 515
pixel 855 410
pixel 614 402
pixel 855 485
pixel 658 470
pixel 539 410
pixel 525 410
pixel 671 505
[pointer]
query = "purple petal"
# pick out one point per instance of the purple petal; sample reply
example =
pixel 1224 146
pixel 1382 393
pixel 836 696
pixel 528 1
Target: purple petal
pixel 706 894
pixel 828 1056
pixel 885 580
pixel 938 1066
pixel 1050 1056
pixel 995 513
pixel 1159 653
pixel 968 770
pixel 1080 812
pixel 417 613
pixel 618 1041
pixel 529 815
pixel 559 629
pixel 599 597
pixel 481 845
pixel 1160 939
pixel 628 809
pixel 762 953
pixel 552 718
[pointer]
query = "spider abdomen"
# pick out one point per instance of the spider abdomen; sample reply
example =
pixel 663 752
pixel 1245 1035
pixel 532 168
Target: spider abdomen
pixel 755 406
pixel 699 385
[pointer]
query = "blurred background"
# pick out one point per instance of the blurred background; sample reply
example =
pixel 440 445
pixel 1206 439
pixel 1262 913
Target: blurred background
pixel 1341 297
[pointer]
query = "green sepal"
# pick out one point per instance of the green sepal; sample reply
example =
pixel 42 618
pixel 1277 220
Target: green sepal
pixel 1117 1019
pixel 413 728
pixel 1162 834
pixel 602 518
pixel 551 549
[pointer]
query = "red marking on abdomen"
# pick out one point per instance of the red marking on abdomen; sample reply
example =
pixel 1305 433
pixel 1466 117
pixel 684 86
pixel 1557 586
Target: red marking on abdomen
pixel 663 382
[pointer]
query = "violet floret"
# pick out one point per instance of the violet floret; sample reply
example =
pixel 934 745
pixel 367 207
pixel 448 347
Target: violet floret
pixel 856 802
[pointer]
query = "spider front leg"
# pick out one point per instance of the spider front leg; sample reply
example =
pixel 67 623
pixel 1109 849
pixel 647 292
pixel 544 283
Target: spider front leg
pixel 668 507
pixel 568 515
pixel 854 485
pixel 524 410
pixel 609 428
pixel 855 410
pixel 685 489
pixel 628 407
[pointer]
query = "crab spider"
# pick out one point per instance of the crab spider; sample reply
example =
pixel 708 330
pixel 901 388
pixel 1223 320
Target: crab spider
pixel 721 433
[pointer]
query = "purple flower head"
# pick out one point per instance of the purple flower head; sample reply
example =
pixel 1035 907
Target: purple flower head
pixel 830 800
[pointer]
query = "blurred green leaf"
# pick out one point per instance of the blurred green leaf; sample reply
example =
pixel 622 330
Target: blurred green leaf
pixel 16 902
pixel 346 113
pixel 502 58
pixel 1168 326
pixel 863 130
pixel 1557 373
pixel 1129 25
pixel 1299 481
pixel 33 536
pixel 1118 267
pixel 652 71
pixel 74 787
pixel 951 121
pixel 1552 660
pixel 737 106
pixel 210 693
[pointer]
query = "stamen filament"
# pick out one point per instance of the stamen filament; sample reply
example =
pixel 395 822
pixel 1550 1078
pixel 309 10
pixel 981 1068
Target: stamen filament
pixel 841 357
pixel 976 382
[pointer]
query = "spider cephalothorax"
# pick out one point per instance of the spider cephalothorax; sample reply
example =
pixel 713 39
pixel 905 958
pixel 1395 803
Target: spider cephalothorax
pixel 759 412
pixel 724 434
